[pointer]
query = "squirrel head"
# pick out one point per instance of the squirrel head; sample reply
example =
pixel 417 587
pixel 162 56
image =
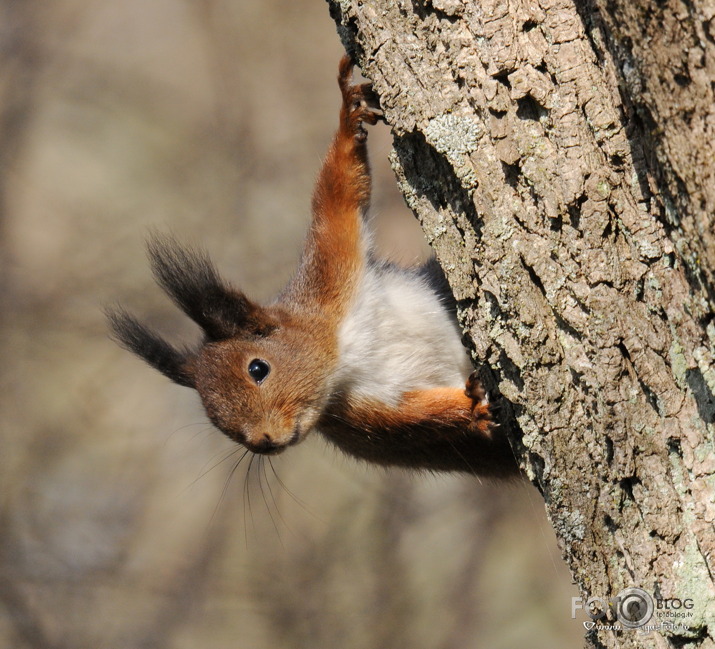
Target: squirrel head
pixel 262 372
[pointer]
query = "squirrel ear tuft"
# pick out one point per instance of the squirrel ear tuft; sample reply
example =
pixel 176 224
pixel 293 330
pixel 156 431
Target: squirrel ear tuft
pixel 193 283
pixel 132 335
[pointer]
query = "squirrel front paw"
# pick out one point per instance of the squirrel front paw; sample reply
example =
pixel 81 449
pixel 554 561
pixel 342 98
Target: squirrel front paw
pixel 482 421
pixel 359 102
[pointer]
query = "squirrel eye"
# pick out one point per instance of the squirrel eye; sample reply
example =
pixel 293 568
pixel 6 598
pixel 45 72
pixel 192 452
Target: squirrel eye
pixel 259 370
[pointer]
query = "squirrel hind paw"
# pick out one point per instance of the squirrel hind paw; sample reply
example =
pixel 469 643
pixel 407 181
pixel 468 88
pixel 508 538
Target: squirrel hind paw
pixel 359 102
pixel 368 97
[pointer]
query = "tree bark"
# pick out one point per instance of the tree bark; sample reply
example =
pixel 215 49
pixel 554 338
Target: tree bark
pixel 560 156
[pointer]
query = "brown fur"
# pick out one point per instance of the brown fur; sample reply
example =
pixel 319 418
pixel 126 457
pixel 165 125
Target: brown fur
pixel 297 338
pixel 440 429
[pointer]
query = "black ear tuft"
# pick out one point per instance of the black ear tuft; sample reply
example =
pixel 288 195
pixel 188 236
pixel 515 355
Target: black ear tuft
pixel 191 280
pixel 134 336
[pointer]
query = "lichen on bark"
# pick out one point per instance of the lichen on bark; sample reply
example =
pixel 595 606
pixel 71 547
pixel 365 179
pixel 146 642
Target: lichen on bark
pixel 577 235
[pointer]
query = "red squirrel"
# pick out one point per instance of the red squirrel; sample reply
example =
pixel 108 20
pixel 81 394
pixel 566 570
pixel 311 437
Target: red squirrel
pixel 364 352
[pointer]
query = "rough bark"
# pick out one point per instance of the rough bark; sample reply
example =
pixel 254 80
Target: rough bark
pixel 560 157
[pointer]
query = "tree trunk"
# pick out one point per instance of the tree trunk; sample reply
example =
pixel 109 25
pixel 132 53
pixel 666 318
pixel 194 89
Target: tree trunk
pixel 560 156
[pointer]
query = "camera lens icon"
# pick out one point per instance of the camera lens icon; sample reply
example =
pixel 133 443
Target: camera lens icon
pixel 634 607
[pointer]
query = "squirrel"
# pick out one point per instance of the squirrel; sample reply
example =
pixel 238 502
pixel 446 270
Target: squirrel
pixel 364 352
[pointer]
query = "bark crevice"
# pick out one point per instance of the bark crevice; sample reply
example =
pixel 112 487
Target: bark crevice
pixel 573 217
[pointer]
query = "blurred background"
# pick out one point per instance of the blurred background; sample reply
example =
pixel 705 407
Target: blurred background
pixel 124 522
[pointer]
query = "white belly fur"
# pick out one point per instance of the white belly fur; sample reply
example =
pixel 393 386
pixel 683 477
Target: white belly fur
pixel 398 337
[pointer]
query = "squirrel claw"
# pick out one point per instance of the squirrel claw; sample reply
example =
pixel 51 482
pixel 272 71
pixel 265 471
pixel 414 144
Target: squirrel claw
pixel 359 102
pixel 369 97
pixel 475 390
pixel 482 421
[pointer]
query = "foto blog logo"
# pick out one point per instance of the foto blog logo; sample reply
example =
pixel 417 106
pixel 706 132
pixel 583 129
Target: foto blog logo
pixel 631 608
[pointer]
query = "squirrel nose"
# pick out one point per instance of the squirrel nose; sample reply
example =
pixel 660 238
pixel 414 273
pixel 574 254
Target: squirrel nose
pixel 265 445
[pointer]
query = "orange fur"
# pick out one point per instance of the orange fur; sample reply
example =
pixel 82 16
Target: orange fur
pixel 302 382
pixel 440 429
pixel 333 257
